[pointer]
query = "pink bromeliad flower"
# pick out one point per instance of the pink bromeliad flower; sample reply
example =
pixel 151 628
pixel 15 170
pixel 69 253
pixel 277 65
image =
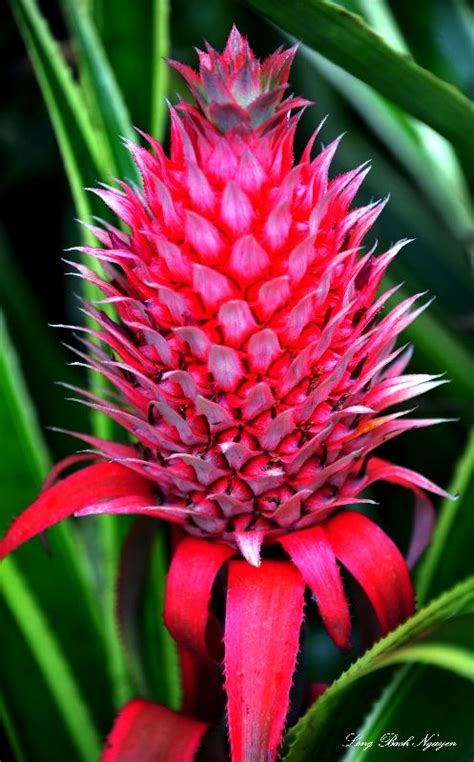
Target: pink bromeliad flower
pixel 254 373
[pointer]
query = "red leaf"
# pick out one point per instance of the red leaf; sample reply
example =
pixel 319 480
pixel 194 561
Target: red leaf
pixel 146 732
pixel 191 576
pixel 425 516
pixel 76 492
pixel 311 552
pixel 377 565
pixel 263 620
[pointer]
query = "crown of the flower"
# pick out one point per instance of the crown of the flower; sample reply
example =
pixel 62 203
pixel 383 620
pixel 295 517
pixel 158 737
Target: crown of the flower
pixel 235 91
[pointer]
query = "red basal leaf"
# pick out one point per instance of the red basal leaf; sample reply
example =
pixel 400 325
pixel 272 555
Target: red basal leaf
pixel 146 732
pixel 263 621
pixel 311 552
pixel 377 565
pixel 79 491
pixel 191 576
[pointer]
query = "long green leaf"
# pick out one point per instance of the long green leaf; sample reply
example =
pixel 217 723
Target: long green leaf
pixel 427 157
pixel 159 87
pixel 448 557
pixel 348 41
pixel 22 311
pixel 53 665
pixel 446 560
pixel 104 99
pixel 410 705
pixel 308 736
pixel 450 657
pixel 19 420
pixel 24 461
pixel 83 159
pixel 78 143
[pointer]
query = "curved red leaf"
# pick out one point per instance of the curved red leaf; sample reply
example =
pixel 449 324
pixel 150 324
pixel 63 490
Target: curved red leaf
pixel 382 470
pixel 79 491
pixel 377 565
pixel 263 621
pixel 425 517
pixel 191 576
pixel 311 552
pixel 146 732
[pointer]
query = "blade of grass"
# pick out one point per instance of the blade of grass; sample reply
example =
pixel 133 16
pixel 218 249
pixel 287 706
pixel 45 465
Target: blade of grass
pixel 442 348
pixel 20 418
pixel 348 41
pixel 163 659
pixel 54 667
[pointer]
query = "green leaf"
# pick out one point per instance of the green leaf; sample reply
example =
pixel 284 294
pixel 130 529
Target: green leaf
pixel 348 41
pixel 448 557
pixel 24 461
pixel 103 97
pixel 54 667
pixel 81 147
pixel 160 71
pixel 410 705
pixel 441 348
pixel 162 656
pixel 22 311
pixel 426 156
pixel 78 142
pixel 311 734
pixel 451 657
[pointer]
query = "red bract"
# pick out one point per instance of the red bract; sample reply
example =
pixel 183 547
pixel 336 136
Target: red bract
pixel 254 373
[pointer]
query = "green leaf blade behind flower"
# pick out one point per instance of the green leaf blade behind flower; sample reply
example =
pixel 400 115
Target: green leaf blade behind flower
pixel 160 70
pixel 50 659
pixel 402 708
pixel 448 557
pixel 103 97
pixel 87 154
pixel 30 586
pixel 348 41
pixel 310 735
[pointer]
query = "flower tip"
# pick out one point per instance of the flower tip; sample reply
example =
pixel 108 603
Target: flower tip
pixel 250 544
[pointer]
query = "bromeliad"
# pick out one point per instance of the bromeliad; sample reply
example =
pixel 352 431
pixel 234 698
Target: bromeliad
pixel 253 371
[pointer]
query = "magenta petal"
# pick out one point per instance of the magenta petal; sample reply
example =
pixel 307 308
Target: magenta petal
pixel 146 732
pixel 262 626
pixel 311 552
pixel 377 565
pixel 77 492
pixel 191 576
